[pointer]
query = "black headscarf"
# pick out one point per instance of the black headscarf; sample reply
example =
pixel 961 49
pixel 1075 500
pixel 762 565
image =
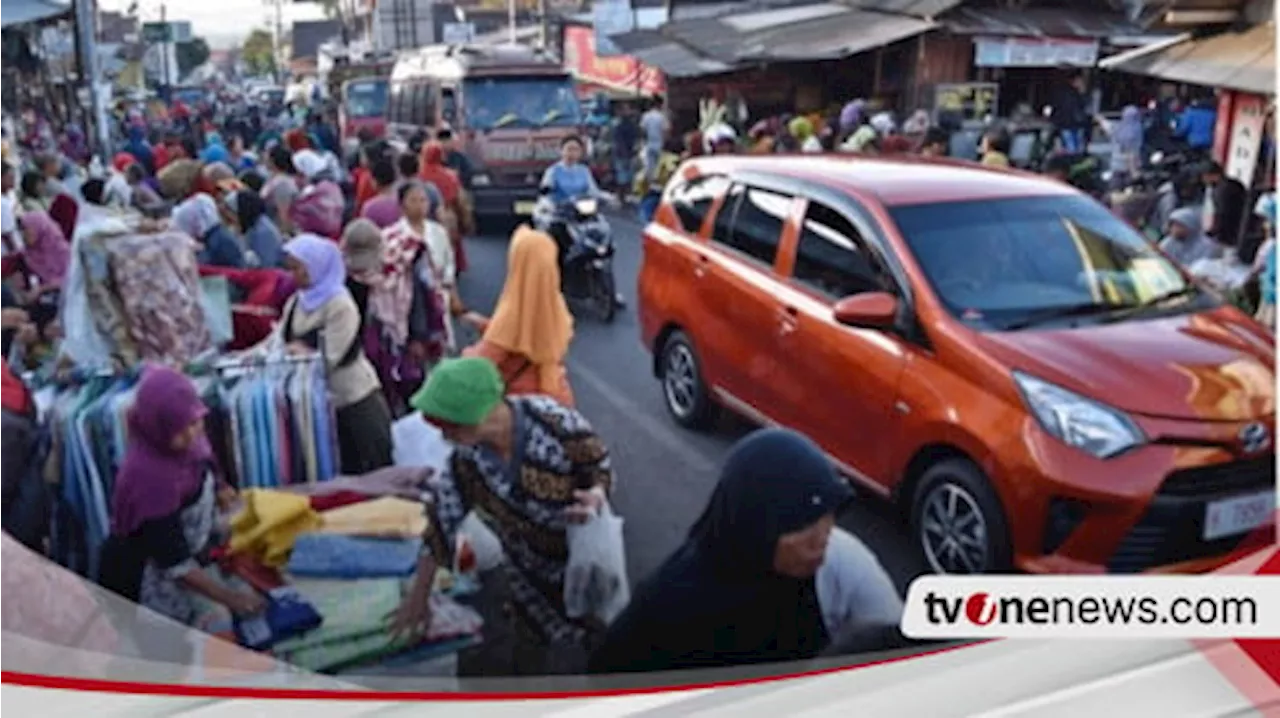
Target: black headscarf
pixel 717 600
pixel 249 209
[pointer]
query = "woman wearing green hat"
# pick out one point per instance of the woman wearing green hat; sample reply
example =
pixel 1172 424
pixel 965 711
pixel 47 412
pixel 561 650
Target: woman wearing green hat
pixel 529 467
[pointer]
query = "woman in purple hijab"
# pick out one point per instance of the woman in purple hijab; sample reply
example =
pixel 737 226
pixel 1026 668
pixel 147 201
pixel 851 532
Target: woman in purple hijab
pixel 163 507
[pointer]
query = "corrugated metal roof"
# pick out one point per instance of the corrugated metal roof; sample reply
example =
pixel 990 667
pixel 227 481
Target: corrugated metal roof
pixel 1236 60
pixel 676 60
pixel 829 32
pixel 309 35
pixel 1043 22
pixel 918 8
pixel 17 12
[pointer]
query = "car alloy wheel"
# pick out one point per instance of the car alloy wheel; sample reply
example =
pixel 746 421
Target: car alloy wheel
pixel 680 380
pixel 953 530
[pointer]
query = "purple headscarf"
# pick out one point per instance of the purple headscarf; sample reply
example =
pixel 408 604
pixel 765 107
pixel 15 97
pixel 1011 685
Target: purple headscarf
pixel 154 480
pixel 1128 132
pixel 47 253
pixel 328 273
pixel 851 115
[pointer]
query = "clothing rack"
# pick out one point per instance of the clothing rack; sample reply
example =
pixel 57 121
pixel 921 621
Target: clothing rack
pixel 269 421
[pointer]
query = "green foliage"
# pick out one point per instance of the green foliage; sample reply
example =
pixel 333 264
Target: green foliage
pixel 191 54
pixel 258 53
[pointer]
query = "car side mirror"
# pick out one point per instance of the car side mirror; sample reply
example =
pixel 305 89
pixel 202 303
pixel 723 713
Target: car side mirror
pixel 870 310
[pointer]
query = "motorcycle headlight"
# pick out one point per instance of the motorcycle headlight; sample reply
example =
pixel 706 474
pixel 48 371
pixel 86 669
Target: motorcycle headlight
pixel 481 180
pixel 1090 426
pixel 586 206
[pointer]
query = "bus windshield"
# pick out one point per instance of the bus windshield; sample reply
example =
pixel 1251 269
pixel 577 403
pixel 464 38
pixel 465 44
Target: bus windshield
pixel 509 102
pixel 189 95
pixel 366 98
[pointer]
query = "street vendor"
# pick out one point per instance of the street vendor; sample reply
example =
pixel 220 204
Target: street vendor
pixel 529 467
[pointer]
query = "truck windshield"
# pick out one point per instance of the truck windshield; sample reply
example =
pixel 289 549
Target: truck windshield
pixel 509 102
pixel 366 99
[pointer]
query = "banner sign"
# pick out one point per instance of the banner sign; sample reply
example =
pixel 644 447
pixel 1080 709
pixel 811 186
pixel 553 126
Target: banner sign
pixel 619 72
pixel 1034 52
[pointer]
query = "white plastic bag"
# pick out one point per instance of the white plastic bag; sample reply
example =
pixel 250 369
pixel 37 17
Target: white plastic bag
pixel 595 580
pixel 417 443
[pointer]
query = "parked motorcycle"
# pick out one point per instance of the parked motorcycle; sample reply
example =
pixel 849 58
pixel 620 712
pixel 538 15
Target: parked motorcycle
pixel 586 252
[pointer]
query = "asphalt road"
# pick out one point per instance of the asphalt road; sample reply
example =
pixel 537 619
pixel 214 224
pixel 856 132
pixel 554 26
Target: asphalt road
pixel 665 474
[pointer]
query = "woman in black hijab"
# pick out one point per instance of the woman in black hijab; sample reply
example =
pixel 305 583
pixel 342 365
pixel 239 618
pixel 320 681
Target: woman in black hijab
pixel 741 589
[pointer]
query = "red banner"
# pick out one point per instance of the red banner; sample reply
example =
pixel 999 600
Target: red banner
pixel 620 72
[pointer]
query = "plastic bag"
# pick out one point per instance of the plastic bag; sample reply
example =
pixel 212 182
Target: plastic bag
pixel 595 580
pixel 417 443
pixel 215 299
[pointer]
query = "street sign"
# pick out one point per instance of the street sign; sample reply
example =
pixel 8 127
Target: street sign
pixel 157 32
pixel 458 33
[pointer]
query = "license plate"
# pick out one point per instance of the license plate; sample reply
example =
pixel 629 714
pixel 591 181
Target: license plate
pixel 524 208
pixel 1236 516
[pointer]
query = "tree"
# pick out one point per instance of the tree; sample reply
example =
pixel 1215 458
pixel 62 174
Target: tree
pixel 259 53
pixel 191 54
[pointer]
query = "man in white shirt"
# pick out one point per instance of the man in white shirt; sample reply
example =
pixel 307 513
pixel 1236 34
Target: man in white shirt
pixel 9 214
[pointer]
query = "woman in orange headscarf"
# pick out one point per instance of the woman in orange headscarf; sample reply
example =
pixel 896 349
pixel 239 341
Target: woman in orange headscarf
pixel 454 214
pixel 529 334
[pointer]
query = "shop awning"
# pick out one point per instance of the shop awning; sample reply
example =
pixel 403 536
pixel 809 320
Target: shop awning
pixel 1040 22
pixel 1243 60
pixel 813 31
pixel 18 12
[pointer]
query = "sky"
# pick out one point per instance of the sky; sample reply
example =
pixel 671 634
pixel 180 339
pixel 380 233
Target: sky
pixel 223 23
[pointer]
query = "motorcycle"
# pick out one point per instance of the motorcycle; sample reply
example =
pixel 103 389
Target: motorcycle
pixel 586 259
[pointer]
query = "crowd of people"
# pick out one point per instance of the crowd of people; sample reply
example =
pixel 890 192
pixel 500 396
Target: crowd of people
pixel 360 267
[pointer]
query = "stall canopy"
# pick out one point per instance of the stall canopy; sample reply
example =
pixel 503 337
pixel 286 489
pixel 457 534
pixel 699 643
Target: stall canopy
pixel 18 12
pixel 795 33
pixel 1243 60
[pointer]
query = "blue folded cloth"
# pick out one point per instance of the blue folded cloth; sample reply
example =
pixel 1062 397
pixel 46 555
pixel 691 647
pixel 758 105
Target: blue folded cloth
pixel 288 614
pixel 333 556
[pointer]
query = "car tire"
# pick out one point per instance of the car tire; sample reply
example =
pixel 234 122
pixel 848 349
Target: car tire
pixel 958 522
pixel 683 389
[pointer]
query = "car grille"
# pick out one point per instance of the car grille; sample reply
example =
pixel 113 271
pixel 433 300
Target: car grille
pixel 1171 530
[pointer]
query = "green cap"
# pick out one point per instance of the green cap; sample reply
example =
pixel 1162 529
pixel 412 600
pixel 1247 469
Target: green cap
pixel 460 391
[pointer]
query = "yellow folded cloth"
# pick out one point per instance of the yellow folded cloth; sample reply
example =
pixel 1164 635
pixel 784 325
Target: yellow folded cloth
pixel 387 517
pixel 269 523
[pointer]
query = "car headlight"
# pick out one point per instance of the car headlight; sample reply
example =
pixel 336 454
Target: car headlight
pixel 1088 425
pixel 586 206
pixel 481 180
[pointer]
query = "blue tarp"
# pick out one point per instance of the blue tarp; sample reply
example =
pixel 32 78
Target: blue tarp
pixel 17 12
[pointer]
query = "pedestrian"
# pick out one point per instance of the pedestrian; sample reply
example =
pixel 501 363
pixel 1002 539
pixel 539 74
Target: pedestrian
pixel 455 159
pixel 1186 243
pixel 453 213
pixel 26 505
pixel 262 238
pixel 319 206
pixel 936 143
pixel 656 126
pixel 1126 146
pixel 322 316
pixel 408 165
pixel 143 197
pixel 281 187
pixel 720 139
pixel 1224 207
pixel 164 509
pixel 1197 124
pixel 742 589
pixel 528 337
pixel 1070 113
pixel 140 149
pixel 626 139
pixel 995 148
pixel 35 195
pixel 365 188
pixel 649 185
pixel 802 129
pixel 528 467
pixel 864 140
pixel 200 218
pixel 1265 263
pixel 383 209
pixel 46 251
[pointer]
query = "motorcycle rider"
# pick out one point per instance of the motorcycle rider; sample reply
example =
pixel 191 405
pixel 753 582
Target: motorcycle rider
pixel 567 181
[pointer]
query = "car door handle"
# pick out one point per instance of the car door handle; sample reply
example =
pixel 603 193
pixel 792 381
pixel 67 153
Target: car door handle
pixel 700 269
pixel 787 323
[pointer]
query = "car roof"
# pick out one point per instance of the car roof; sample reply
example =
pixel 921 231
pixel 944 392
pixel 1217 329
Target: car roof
pixel 895 180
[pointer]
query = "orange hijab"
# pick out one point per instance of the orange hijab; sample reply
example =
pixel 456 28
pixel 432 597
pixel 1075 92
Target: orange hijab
pixel 531 318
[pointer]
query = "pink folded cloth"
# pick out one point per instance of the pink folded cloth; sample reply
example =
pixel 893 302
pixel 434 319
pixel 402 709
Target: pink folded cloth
pixel 403 481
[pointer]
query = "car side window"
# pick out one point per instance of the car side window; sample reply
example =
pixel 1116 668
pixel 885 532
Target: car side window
pixel 692 200
pixel 449 105
pixel 751 221
pixel 394 108
pixel 833 258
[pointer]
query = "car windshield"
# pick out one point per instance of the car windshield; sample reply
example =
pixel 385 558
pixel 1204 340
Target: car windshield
pixel 189 95
pixel 1004 264
pixel 498 102
pixel 366 99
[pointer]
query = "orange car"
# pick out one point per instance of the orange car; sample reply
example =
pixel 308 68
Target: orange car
pixel 1038 387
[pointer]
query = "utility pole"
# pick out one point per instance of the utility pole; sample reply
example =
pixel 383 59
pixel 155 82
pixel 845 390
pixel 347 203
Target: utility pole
pixel 544 30
pixel 511 20
pixel 279 48
pixel 90 74
pixel 166 78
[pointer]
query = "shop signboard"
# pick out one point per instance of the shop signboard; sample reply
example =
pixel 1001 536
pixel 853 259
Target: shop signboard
pixel 1248 123
pixel 970 100
pixel 619 72
pixel 154 32
pixel 1034 52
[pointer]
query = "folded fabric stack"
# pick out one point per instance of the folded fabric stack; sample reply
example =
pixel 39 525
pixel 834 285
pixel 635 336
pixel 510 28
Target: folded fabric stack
pixel 355 627
pixel 387 517
pixel 269 523
pixel 319 555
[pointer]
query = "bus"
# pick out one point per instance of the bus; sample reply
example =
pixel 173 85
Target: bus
pixel 509 107
pixel 363 107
